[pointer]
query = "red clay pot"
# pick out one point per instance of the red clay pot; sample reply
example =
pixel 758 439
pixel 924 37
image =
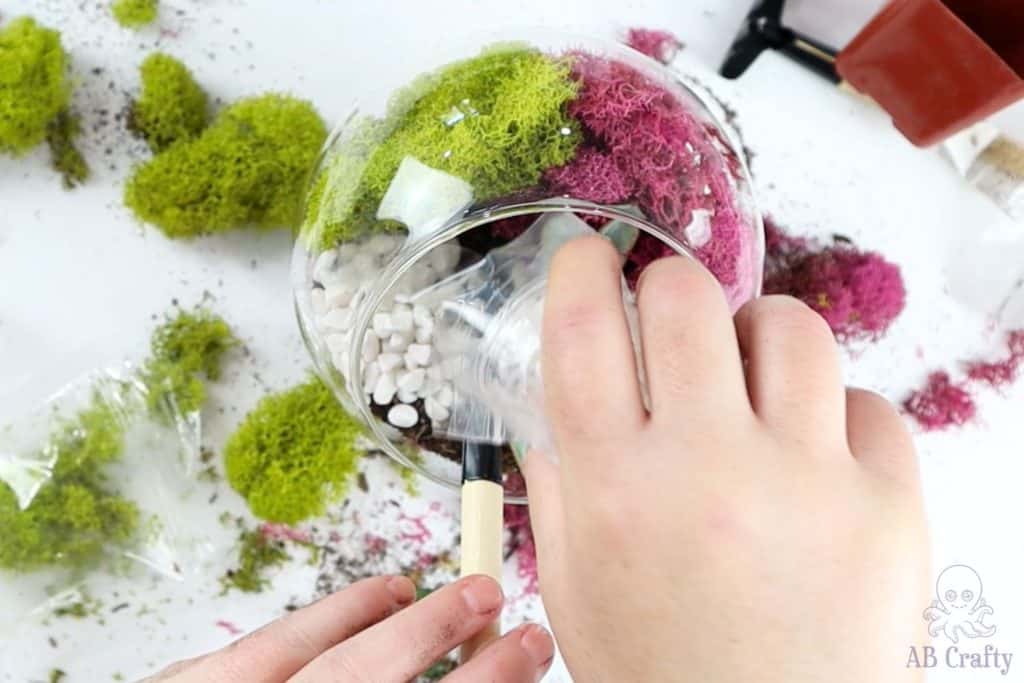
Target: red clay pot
pixel 938 67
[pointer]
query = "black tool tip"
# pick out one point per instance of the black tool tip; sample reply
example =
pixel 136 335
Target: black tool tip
pixel 481 461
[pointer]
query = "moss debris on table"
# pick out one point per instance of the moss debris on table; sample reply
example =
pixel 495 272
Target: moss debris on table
pixel 257 553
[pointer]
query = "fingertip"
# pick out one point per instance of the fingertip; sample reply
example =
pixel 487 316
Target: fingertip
pixel 402 590
pixel 584 252
pixel 482 594
pixel 878 437
pixel 538 645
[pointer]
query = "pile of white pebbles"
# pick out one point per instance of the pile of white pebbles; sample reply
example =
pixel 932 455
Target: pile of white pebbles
pixel 400 363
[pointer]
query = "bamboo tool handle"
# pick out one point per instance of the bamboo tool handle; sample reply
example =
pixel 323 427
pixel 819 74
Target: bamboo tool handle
pixel 482 517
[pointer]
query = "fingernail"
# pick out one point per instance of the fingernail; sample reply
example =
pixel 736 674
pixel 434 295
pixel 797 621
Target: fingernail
pixel 538 645
pixel 401 590
pixel 482 595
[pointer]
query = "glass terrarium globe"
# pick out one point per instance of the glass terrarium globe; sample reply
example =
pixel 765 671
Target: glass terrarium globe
pixel 438 202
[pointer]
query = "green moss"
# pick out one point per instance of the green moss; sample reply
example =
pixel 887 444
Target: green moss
pixel 134 13
pixel 57 675
pixel 184 350
pixel 293 454
pixel 256 554
pixel 171 107
pixel 64 156
pixel 249 168
pixel 34 87
pixel 497 121
pixel 75 514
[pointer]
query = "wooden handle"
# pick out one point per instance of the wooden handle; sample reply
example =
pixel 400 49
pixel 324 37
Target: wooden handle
pixel 482 533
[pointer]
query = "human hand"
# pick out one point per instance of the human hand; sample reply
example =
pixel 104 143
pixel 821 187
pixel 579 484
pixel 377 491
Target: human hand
pixel 759 523
pixel 370 633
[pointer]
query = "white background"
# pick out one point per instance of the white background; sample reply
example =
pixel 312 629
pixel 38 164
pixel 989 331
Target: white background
pixel 80 280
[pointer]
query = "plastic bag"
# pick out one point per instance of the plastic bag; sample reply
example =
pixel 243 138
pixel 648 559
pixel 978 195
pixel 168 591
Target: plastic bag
pixel 95 483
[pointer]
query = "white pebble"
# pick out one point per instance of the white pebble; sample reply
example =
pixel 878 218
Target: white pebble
pixel 382 324
pixel 444 257
pixel 385 389
pixel 389 361
pixel 339 319
pixel 397 342
pixel 325 265
pixel 362 265
pixel 419 354
pixel 445 395
pixel 427 326
pixel 346 252
pixel 421 315
pixel 423 336
pixel 381 244
pixel 370 377
pixel 403 416
pixel 411 380
pixel 318 301
pixel 403 299
pixel 371 346
pixel 338 295
pixel 435 411
pixel 406 396
pixel 401 320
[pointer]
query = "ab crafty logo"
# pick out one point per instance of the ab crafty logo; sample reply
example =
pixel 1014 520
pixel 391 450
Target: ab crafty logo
pixel 958 613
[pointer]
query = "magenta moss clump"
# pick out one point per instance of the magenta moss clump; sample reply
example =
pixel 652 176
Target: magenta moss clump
pixel 656 44
pixel 594 176
pixel 521 543
pixel 941 403
pixel 1002 372
pixel 858 293
pixel 646 146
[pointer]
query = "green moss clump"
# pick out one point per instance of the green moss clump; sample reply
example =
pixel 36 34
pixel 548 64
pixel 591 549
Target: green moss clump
pixel 134 13
pixel 293 454
pixel 75 514
pixel 256 554
pixel 186 349
pixel 171 107
pixel 497 121
pixel 249 168
pixel 34 87
pixel 65 157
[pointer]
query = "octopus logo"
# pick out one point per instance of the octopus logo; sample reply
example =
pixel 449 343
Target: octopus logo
pixel 960 609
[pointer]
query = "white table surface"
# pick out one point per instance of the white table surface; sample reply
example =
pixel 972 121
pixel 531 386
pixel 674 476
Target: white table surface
pixel 80 280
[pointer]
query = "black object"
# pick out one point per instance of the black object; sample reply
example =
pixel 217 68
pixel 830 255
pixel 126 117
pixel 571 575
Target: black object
pixel 763 30
pixel 481 461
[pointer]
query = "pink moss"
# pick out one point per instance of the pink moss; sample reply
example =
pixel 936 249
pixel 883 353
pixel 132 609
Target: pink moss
pixel 521 544
pixel 642 136
pixel 593 176
pixel 660 45
pixel 940 404
pixel 1002 372
pixel 858 293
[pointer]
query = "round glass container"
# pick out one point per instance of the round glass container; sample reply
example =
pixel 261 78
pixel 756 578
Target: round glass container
pixel 436 182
